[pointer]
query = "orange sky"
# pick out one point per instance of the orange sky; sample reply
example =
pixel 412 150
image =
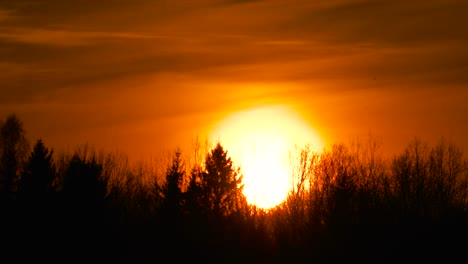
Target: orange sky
pixel 143 76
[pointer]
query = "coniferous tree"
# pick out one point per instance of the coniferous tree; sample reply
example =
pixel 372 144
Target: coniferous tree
pixel 194 196
pixel 171 190
pixel 39 171
pixel 214 200
pixel 219 184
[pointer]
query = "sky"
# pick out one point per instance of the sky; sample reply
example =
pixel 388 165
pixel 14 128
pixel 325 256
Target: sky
pixel 143 76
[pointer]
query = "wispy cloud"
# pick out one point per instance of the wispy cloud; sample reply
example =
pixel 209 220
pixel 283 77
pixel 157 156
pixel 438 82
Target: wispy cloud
pixel 66 38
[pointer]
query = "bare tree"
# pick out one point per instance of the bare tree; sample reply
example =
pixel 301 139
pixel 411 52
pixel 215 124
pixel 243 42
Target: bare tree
pixel 14 149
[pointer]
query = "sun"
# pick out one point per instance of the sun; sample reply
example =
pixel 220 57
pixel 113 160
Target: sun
pixel 259 141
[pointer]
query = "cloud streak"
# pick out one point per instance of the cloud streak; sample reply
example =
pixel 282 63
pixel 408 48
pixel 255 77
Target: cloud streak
pixel 64 38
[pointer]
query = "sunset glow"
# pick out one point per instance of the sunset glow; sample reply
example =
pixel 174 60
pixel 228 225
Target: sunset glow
pixel 211 131
pixel 259 140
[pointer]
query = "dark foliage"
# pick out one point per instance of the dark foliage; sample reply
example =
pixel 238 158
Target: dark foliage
pixel 14 147
pixel 347 204
pixel 39 172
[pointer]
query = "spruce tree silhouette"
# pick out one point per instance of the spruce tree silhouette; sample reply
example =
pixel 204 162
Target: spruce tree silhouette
pixel 39 173
pixel 213 196
pixel 36 195
pixel 221 183
pixel 171 190
pixel 171 207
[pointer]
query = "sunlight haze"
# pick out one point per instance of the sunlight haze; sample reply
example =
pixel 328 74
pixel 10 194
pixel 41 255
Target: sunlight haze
pixel 143 77
pixel 214 131
pixel 260 140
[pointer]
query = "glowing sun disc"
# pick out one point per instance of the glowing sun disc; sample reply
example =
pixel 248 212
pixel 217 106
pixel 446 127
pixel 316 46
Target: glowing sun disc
pixel 259 141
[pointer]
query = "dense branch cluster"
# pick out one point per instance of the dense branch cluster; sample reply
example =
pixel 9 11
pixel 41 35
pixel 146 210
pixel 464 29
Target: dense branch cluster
pixel 346 202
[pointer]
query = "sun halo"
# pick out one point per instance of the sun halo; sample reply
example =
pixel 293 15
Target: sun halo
pixel 259 141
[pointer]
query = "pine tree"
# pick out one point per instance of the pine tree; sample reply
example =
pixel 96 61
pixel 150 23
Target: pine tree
pixel 218 184
pixel 39 171
pixel 171 189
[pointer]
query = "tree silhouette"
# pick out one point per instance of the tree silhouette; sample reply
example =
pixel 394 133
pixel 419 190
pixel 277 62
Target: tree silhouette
pixel 14 148
pixel 171 189
pixel 214 201
pixel 346 204
pixel 83 184
pixel 39 172
pixel 87 228
pixel 219 184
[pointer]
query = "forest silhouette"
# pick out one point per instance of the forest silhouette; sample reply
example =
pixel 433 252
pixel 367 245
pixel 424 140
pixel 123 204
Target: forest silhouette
pixel 348 203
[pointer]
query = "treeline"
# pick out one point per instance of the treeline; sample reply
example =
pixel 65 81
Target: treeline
pixel 348 203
